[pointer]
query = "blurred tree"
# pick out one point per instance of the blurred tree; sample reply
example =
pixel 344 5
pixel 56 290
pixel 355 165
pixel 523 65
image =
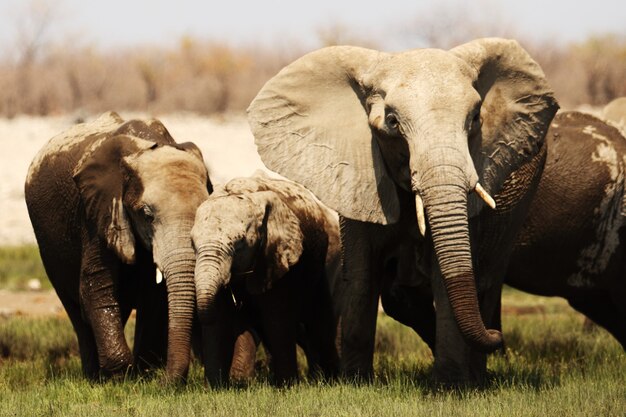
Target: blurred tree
pixel 604 61
pixel 34 23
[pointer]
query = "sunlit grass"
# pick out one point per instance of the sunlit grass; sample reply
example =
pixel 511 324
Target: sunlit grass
pixel 552 367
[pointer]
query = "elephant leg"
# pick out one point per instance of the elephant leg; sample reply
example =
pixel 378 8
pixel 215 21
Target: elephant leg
pixel 101 307
pixel 412 307
pixel 601 309
pixel 278 327
pixel 455 362
pixel 86 341
pixel 150 348
pixel 218 340
pixel 318 333
pixel 358 292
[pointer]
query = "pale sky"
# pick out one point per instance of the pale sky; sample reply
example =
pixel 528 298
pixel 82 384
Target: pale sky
pixel 113 23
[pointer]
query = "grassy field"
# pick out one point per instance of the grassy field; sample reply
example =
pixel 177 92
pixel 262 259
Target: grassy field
pixel 18 264
pixel 552 367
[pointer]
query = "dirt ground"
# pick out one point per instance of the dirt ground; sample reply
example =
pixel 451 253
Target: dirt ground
pixel 30 303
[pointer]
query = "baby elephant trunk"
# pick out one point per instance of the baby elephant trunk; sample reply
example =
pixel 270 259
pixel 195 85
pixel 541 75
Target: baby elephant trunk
pixel 213 263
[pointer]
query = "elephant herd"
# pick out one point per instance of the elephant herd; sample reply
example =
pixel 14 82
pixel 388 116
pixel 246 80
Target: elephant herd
pixel 450 175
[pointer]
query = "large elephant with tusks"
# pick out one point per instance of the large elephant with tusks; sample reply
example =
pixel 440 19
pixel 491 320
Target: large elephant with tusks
pixel 419 140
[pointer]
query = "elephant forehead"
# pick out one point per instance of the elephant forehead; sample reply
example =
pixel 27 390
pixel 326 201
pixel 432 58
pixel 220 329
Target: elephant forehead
pixel 170 176
pixel 222 213
pixel 168 163
pixel 427 65
pixel 426 79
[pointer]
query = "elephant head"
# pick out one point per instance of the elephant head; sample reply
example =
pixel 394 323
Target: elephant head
pixel 138 187
pixel 235 234
pixel 352 124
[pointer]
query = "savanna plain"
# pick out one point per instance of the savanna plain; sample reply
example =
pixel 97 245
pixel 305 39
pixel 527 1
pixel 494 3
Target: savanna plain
pixel 554 365
pixel 555 362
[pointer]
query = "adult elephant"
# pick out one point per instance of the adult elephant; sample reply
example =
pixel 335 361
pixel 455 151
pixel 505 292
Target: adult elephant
pixel 109 200
pixel 272 244
pixel 405 138
pixel 573 242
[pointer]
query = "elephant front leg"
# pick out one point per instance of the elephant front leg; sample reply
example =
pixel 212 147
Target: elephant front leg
pixel 455 362
pixel 279 322
pixel 218 340
pixel 357 295
pixel 100 304
pixel 150 347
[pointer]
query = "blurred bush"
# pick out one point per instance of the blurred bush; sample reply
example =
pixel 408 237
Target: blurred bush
pixel 44 75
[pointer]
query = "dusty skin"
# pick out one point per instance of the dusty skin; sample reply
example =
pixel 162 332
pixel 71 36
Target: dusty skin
pixel 226 143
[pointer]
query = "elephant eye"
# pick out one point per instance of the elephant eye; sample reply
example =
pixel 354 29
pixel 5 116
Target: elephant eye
pixel 148 213
pixel 392 120
pixel 476 121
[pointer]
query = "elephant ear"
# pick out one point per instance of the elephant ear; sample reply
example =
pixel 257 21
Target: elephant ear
pixel 99 177
pixel 517 106
pixel 283 244
pixel 311 125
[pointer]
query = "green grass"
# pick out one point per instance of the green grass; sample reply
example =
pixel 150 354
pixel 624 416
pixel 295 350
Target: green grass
pixel 18 264
pixel 553 367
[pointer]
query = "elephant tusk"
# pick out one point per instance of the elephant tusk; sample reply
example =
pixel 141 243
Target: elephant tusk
pixel 421 218
pixel 485 196
pixel 159 276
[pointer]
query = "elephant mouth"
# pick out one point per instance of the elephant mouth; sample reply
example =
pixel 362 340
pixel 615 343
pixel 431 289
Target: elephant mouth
pixel 421 216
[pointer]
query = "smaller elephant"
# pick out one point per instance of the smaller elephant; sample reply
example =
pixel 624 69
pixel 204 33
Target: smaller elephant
pixel 276 248
pixel 111 201
pixel 573 242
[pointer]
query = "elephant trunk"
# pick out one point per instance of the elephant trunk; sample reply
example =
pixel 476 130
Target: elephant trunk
pixel 177 260
pixel 214 260
pixel 443 189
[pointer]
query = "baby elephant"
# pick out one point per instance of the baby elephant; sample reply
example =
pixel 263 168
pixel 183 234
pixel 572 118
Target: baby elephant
pixel 269 245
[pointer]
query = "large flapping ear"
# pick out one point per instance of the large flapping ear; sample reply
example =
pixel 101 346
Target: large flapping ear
pixel 100 180
pixel 283 244
pixel 310 124
pixel 518 106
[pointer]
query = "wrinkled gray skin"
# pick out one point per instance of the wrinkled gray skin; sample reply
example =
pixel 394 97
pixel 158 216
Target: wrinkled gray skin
pixel 108 201
pixel 276 248
pixel 573 244
pixel 377 136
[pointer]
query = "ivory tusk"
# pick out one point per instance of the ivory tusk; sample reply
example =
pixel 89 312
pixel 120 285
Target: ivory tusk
pixel 485 196
pixel 421 218
pixel 159 276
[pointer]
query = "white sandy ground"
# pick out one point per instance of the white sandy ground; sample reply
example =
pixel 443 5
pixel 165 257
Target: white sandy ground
pixel 227 145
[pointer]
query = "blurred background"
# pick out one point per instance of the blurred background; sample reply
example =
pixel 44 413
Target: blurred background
pixel 80 57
